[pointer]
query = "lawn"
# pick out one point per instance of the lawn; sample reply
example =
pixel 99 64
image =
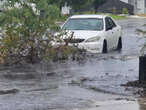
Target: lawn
pixel 117 16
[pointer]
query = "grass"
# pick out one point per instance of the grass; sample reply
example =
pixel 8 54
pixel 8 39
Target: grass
pixel 117 17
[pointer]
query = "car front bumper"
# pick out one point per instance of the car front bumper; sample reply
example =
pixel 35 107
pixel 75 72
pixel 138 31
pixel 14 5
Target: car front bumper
pixel 92 47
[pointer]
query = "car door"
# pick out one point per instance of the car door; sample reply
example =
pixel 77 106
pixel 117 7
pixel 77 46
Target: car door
pixel 115 31
pixel 109 33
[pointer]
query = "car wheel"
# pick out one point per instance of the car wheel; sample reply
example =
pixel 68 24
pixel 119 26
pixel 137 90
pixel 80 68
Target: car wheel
pixel 104 49
pixel 119 46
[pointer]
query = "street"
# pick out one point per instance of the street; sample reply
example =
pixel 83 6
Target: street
pixel 93 83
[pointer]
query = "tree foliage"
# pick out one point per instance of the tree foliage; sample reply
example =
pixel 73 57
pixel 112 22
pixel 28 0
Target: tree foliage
pixel 23 24
pixel 125 11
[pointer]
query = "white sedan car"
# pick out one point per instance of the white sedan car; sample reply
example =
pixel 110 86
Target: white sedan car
pixel 94 33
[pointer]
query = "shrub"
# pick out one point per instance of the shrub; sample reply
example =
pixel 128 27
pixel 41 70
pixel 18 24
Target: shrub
pixel 23 26
pixel 125 11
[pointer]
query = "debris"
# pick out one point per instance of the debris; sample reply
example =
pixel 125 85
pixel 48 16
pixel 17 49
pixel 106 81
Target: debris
pixel 11 91
pixel 23 76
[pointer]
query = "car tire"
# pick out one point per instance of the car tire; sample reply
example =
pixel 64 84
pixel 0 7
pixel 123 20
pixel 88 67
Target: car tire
pixel 119 46
pixel 104 49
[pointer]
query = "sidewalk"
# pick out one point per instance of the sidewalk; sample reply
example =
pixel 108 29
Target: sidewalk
pixel 137 16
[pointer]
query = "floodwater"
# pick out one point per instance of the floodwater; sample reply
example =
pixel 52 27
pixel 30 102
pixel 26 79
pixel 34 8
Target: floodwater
pixel 90 84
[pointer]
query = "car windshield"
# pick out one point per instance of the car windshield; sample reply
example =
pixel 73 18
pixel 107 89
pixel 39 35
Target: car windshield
pixel 95 24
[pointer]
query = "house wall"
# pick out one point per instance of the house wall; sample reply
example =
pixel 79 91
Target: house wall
pixel 145 7
pixel 126 1
pixel 132 2
pixel 139 5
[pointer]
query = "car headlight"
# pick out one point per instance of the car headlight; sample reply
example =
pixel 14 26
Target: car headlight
pixel 93 39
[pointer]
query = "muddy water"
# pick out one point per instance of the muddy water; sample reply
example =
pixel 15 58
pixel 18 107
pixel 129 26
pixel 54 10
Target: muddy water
pixel 90 84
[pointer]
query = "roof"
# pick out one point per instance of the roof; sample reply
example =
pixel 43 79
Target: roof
pixel 88 16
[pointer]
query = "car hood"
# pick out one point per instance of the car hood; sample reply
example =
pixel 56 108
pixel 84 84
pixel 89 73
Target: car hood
pixel 79 34
pixel 86 34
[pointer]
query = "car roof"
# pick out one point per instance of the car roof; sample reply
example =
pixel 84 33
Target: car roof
pixel 88 16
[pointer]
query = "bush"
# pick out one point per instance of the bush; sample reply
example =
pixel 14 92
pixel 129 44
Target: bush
pixel 125 11
pixel 23 27
pixel 63 17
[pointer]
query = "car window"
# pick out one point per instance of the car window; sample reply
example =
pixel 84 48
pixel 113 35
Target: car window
pixel 84 24
pixel 112 22
pixel 109 23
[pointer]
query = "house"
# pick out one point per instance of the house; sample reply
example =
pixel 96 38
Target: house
pixel 110 6
pixel 139 5
pixel 87 8
pixel 116 7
